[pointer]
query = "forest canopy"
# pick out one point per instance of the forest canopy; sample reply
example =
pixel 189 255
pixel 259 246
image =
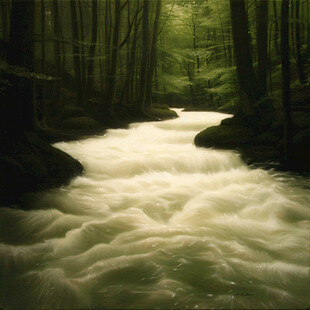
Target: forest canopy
pixel 83 65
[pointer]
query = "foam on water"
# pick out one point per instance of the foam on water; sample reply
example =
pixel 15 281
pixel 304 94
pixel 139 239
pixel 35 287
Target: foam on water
pixel 157 223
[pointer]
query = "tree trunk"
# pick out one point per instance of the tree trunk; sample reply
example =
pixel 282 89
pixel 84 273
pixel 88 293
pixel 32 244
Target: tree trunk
pixel 276 28
pixel 21 53
pixel 82 49
pixel 92 48
pixel 107 41
pixel 190 73
pixel 76 53
pixel 43 104
pixel 5 27
pixel 223 37
pixel 242 51
pixel 152 57
pixel 308 29
pixel 131 73
pixel 101 54
pixel 286 77
pixel 229 50
pixel 145 52
pixel 57 46
pixel 292 26
pixel 114 57
pixel 125 89
pixel 262 38
pixel 300 64
pixel 270 57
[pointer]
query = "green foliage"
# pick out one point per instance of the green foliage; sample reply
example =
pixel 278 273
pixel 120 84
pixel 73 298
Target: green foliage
pixel 192 54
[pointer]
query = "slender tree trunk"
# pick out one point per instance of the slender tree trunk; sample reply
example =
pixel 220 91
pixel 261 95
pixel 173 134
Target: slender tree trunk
pixel 308 28
pixel 101 54
pixel 292 26
pixel 131 73
pixel 156 81
pixel 242 51
pixel 300 64
pixel 270 58
pixel 276 28
pixel 128 55
pixel 107 43
pixel 5 27
pixel 92 48
pixel 114 57
pixel 57 46
pixel 145 53
pixel 262 38
pixel 302 23
pixel 229 48
pixel 286 94
pixel 76 53
pixel 163 65
pixel 190 74
pixel 43 104
pixel 152 61
pixel 223 37
pixel 195 46
pixel 125 88
pixel 82 49
pixel 62 41
pixel 21 53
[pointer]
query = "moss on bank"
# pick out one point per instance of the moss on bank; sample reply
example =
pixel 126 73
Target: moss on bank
pixel 259 137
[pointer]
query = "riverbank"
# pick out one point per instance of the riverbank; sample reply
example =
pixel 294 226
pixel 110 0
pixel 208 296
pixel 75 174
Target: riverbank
pixel 156 222
pixel 28 162
pixel 259 137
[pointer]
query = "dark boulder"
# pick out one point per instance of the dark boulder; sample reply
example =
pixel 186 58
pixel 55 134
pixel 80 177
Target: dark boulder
pixel 30 164
pixel 224 137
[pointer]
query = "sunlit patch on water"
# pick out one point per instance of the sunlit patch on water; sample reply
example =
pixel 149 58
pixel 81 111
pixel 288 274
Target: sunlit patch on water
pixel 157 223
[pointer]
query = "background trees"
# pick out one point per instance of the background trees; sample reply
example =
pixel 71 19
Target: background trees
pixel 116 59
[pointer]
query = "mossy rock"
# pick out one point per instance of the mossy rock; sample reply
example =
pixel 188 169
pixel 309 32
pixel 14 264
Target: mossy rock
pixel 261 120
pixel 13 178
pixel 164 113
pixel 224 137
pixel 34 167
pixel 60 166
pixel 31 164
pixel 80 123
pixel 231 121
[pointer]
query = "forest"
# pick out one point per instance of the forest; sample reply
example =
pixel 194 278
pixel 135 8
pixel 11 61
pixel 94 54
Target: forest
pixel 154 154
pixel 74 68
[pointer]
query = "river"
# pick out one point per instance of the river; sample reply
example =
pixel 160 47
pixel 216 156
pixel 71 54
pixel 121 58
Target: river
pixel 157 223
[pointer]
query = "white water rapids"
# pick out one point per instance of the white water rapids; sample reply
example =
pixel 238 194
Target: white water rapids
pixel 157 223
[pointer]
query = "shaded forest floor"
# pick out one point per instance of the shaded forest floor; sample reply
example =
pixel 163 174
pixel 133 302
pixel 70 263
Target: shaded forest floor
pixel 29 163
pixel 259 137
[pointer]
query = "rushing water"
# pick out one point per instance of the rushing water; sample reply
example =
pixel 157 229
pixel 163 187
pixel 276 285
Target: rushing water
pixel 157 223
